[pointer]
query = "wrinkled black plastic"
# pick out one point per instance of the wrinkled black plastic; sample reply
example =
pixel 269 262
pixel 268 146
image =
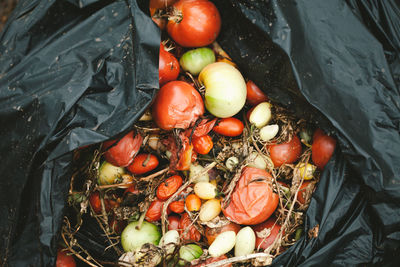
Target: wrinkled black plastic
pixel 77 72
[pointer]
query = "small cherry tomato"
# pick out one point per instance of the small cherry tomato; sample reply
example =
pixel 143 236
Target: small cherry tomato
pixel 194 23
pixel 177 105
pixel 122 153
pixel 65 260
pixel 285 153
pixel 154 212
pixel 266 233
pixel 254 94
pixel 188 231
pixel 168 66
pixel 212 233
pixel 143 163
pixel 169 187
pixel 177 206
pixel 193 202
pixel 322 148
pixel 229 127
pixel 202 144
pixel 173 222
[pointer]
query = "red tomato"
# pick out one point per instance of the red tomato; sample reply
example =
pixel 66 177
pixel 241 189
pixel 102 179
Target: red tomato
pixel 117 226
pixel 193 202
pixel 95 202
pixel 213 259
pixel 131 190
pixel 202 144
pixel 322 148
pixel 65 260
pixel 285 153
pixel 143 163
pixel 254 94
pixel 229 127
pixel 124 151
pixel 177 105
pixel 263 242
pixel 300 195
pixel 252 200
pixel 173 222
pixel 168 66
pixel 204 127
pixel 186 157
pixel 154 212
pixel 169 187
pixel 195 23
pixel 177 206
pixel 188 231
pixel 212 233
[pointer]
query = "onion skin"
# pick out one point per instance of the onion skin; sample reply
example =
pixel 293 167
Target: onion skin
pixel 225 93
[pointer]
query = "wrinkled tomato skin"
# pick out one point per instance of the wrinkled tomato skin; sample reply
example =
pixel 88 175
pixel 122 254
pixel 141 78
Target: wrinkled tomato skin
pixel 173 222
pixel 199 26
pixel 186 157
pixel 167 188
pixel 254 94
pixel 65 260
pixel 168 66
pixel 177 206
pixel 202 144
pixel 193 202
pixel 123 153
pixel 229 127
pixel 253 200
pixel 185 225
pixel 212 233
pixel 177 105
pixel 322 148
pixel 285 153
pixel 154 212
pixel 264 243
pixel 143 163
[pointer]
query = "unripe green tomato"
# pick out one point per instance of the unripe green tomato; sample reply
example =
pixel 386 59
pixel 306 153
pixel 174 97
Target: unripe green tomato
pixel 132 238
pixel 195 60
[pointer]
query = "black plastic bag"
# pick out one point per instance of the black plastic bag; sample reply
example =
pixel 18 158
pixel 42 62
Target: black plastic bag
pixel 74 73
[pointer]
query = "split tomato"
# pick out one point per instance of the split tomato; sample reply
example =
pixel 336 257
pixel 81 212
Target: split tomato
pixel 168 66
pixel 194 23
pixel 177 105
pixel 188 231
pixel 65 260
pixel 143 163
pixel 229 127
pixel 252 200
pixel 266 233
pixel 285 153
pixel 322 148
pixel 121 152
pixel 254 94
pixel 202 144
pixel 167 188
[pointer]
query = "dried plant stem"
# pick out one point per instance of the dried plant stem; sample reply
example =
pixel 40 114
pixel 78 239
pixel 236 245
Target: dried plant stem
pixel 154 175
pixel 166 204
pixel 237 259
pixel 114 185
pixel 143 215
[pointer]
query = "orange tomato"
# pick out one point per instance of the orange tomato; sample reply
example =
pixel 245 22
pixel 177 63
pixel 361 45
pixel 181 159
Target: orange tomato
pixel 143 163
pixel 177 206
pixel 193 202
pixel 202 144
pixel 229 127
pixel 169 187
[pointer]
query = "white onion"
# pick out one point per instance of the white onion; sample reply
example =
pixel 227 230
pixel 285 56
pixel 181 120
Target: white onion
pixel 261 114
pixel 268 132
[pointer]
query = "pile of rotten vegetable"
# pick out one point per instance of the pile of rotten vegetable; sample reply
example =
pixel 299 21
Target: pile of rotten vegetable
pixel 213 174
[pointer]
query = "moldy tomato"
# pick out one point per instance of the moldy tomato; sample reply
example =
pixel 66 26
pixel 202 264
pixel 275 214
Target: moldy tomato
pixel 285 153
pixel 194 23
pixel 168 66
pixel 177 105
pixel 229 127
pixel 169 187
pixel 322 148
pixel 143 163
pixel 202 144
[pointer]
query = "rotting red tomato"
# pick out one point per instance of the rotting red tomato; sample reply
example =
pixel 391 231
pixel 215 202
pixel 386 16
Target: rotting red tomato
pixel 301 195
pixel 194 23
pixel 253 200
pixel 173 222
pixel 154 212
pixel 143 163
pixel 254 94
pixel 205 126
pixel 188 231
pixel 177 206
pixel 117 226
pixel 205 263
pixel 202 144
pixel 167 188
pixel 177 105
pixel 65 260
pixel 266 233
pixel 95 202
pixel 212 233
pixel 168 66
pixel 322 148
pixel 122 153
pixel 285 153
pixel 229 127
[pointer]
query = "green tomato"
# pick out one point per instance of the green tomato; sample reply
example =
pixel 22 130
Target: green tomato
pixel 189 253
pixel 195 60
pixel 132 238
pixel 109 174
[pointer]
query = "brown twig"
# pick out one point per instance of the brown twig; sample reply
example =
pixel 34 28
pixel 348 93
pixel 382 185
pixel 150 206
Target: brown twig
pixel 154 175
pixel 238 259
